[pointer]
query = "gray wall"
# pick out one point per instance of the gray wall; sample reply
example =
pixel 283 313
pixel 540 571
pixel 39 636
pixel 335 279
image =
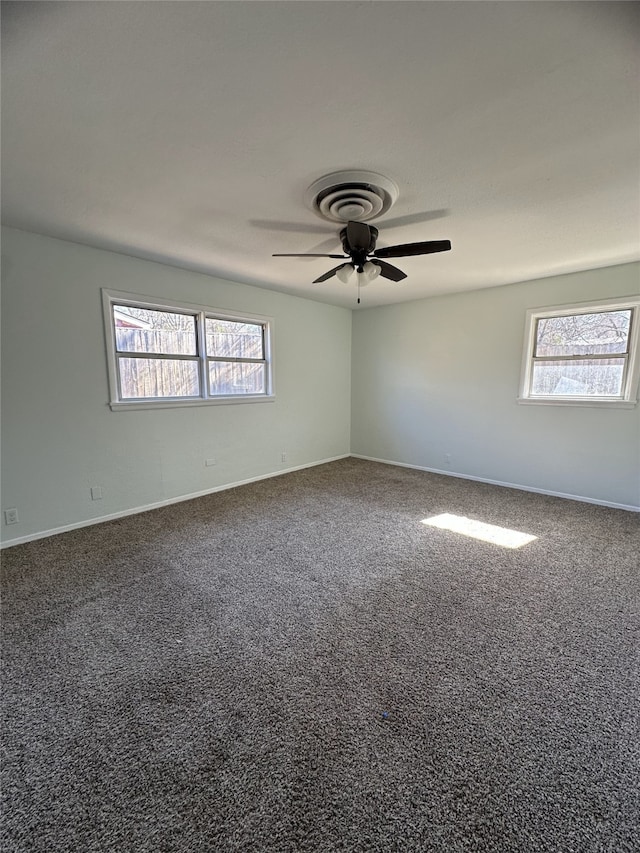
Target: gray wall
pixel 428 378
pixel 59 436
pixel 440 376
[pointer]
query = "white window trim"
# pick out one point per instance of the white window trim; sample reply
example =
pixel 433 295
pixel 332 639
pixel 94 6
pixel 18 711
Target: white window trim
pixel 629 397
pixel 111 297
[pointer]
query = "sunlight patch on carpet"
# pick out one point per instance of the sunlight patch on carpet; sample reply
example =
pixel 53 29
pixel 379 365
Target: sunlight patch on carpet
pixel 503 536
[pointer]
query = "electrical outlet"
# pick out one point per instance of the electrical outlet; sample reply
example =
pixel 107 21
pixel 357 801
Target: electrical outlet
pixel 447 459
pixel 209 462
pixel 96 493
pixel 11 516
pixel 283 456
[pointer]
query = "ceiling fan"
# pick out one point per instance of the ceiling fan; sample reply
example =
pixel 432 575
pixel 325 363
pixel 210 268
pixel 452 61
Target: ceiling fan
pixel 359 245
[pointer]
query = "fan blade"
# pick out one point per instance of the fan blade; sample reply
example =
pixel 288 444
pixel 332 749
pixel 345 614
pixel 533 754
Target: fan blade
pixel 307 255
pixel 408 249
pixel 358 236
pixel 327 274
pixel 389 271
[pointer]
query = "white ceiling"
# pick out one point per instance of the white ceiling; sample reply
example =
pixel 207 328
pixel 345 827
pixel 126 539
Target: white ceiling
pixel 188 133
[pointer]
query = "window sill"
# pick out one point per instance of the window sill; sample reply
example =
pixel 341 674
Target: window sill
pixel 126 405
pixel 578 401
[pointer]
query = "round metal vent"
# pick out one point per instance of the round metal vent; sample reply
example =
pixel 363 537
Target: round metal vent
pixel 354 195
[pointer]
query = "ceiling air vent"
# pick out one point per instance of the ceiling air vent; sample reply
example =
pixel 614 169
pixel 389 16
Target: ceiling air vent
pixel 351 195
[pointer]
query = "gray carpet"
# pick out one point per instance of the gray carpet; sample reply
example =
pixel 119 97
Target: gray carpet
pixel 302 665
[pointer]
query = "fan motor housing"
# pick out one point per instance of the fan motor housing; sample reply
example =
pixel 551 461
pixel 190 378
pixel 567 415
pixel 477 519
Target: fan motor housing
pixel 362 254
pixel 352 195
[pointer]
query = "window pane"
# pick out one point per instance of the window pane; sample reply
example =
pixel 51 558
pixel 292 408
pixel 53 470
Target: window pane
pixel 589 378
pixel 148 330
pixel 231 377
pixel 227 339
pixel 158 377
pixel 584 334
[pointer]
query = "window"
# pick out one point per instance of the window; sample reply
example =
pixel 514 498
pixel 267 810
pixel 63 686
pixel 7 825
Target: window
pixel 161 354
pixel 582 354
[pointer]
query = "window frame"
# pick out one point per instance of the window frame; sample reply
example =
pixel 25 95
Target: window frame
pixel 200 313
pixel 628 397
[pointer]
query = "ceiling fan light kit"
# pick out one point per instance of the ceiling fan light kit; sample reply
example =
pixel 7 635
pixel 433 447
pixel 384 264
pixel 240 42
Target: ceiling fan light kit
pixel 369 271
pixel 344 273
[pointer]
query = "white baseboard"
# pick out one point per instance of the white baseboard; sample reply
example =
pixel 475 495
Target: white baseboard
pixel 582 499
pixel 32 537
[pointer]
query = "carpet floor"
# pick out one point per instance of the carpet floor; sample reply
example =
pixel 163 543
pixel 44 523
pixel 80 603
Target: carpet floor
pixel 304 664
